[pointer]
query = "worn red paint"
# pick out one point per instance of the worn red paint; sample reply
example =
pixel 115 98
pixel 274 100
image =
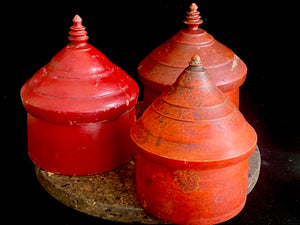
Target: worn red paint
pixel 161 68
pixel 193 150
pixel 80 108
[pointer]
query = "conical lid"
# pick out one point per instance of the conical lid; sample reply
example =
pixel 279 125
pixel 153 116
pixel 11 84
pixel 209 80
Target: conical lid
pixel 163 65
pixel 193 124
pixel 79 85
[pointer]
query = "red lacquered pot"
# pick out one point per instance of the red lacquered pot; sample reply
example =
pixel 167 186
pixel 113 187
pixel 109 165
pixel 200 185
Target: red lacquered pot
pixel 193 150
pixel 161 68
pixel 80 107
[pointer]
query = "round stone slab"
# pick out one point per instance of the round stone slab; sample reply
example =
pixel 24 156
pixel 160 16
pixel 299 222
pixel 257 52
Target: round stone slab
pixel 111 195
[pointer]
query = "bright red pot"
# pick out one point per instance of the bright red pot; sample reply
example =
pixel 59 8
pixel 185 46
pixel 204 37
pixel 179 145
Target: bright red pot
pixel 80 108
pixel 193 150
pixel 162 66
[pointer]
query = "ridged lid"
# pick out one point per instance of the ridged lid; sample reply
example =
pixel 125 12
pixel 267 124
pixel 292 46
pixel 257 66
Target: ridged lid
pixel 163 65
pixel 193 124
pixel 79 85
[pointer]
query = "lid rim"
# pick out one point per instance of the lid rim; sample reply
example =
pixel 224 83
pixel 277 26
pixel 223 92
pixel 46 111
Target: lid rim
pixel 87 109
pixel 205 164
pixel 230 85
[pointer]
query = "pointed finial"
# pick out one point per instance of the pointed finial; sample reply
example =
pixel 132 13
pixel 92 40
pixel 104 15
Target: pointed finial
pixel 196 61
pixel 78 34
pixel 193 7
pixel 193 17
pixel 77 21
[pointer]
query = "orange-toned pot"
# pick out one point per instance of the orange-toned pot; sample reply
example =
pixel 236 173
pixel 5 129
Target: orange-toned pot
pixel 162 66
pixel 80 107
pixel 193 150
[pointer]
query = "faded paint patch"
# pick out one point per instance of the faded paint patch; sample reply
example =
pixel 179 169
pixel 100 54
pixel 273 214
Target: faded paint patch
pixel 234 63
pixel 187 180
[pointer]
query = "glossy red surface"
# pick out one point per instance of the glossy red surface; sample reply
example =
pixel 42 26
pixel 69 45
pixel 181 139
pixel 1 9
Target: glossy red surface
pixel 77 105
pixel 194 145
pixel 263 35
pixel 163 65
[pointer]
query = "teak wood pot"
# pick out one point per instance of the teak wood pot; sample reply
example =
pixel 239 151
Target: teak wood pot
pixel 162 66
pixel 193 150
pixel 80 108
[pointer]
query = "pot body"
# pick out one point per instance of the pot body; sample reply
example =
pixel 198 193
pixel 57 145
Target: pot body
pixel 80 149
pixel 191 196
pixel 80 107
pixel 193 150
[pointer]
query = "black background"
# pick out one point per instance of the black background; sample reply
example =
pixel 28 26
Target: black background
pixel 264 35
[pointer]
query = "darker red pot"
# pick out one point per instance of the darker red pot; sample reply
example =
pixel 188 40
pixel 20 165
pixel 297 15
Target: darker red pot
pixel 162 66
